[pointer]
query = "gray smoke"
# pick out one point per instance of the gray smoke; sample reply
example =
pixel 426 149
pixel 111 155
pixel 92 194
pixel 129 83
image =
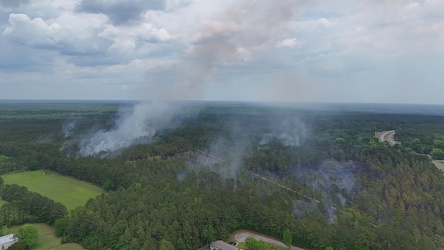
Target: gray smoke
pixel 332 181
pixel 235 146
pixel 289 132
pixel 137 125
pixel 69 125
pixel 225 154
pixel 233 153
pixel 240 34
pixel 233 40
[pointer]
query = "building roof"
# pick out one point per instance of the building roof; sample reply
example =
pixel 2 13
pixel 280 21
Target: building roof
pixel 7 239
pixel 222 246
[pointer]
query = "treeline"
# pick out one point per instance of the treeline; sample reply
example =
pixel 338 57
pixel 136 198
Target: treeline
pixel 28 207
pixel 424 136
pixel 397 202
pixel 398 192
pixel 401 205
pixel 188 214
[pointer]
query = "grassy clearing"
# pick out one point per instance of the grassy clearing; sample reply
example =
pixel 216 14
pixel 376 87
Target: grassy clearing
pixel 47 238
pixel 268 246
pixel 69 191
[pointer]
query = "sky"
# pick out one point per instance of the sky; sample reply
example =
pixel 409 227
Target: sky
pixel 371 51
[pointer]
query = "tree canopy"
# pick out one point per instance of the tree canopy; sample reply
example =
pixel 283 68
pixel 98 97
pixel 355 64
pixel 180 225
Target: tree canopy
pixel 28 234
pixel 227 169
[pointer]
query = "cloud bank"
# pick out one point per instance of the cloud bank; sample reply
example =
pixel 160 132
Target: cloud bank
pixel 120 12
pixel 250 50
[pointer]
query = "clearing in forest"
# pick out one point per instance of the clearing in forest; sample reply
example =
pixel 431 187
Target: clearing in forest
pixel 47 238
pixel 69 191
pixel 387 136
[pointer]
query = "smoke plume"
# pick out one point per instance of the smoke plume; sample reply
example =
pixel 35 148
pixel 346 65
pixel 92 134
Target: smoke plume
pixel 69 125
pixel 232 40
pixel 225 154
pixel 334 183
pixel 137 125
pixel 289 132
pixel 241 33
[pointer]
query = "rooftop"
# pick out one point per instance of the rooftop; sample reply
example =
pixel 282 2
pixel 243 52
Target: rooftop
pixel 220 245
pixel 7 238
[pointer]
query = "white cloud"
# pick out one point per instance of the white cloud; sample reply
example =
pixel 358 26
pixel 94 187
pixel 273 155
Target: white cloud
pixel 130 39
pixel 172 5
pixel 289 42
pixel 68 34
pixel 31 32
pixel 47 9
pixel 86 38
pixel 324 22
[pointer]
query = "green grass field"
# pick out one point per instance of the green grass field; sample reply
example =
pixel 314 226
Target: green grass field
pixel 47 238
pixel 268 246
pixel 69 191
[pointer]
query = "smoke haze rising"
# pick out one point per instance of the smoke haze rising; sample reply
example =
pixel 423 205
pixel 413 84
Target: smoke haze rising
pixel 137 125
pixel 241 32
pixel 289 132
pixel 69 125
pixel 231 40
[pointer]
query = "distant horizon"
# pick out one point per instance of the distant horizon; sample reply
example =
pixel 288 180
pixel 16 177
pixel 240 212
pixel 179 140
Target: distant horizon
pixel 214 101
pixel 382 108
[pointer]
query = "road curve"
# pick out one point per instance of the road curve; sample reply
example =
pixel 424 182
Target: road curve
pixel 241 235
pixel 388 136
pixel 439 165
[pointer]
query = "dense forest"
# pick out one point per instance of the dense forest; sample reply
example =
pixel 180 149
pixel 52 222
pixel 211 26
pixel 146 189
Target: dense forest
pixel 321 174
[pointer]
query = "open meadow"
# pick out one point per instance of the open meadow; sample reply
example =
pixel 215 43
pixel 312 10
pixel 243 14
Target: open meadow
pixel 67 190
pixel 47 238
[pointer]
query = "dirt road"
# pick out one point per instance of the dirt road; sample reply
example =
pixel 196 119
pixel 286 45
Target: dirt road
pixel 240 236
pixel 388 136
pixel 439 165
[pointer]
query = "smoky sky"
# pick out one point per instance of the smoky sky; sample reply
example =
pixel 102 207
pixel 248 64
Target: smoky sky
pixel 120 12
pixel 241 32
pixel 237 36
pixel 240 50
pixel 220 41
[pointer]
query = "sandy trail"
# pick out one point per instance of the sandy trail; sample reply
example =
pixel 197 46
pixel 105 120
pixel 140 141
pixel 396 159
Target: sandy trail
pixel 439 165
pixel 388 136
pixel 240 236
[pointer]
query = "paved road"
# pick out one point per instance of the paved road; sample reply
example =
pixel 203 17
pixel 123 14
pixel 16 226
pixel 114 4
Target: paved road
pixel 439 165
pixel 388 136
pixel 240 236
